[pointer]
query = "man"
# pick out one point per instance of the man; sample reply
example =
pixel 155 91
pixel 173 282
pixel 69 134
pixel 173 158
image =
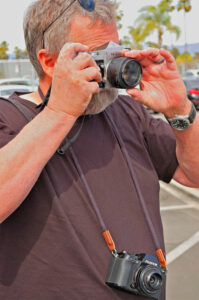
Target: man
pixel 51 241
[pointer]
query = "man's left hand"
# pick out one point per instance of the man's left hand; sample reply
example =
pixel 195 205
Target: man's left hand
pixel 162 88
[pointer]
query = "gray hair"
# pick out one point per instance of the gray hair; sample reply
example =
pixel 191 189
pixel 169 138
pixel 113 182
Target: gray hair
pixel 42 12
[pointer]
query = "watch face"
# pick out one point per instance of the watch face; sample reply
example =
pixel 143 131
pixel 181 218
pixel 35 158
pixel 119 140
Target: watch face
pixel 180 124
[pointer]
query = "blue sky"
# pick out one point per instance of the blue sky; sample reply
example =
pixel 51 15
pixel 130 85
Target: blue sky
pixel 11 20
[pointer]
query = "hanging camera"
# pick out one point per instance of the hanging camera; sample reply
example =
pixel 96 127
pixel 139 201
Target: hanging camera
pixel 139 274
pixel 117 71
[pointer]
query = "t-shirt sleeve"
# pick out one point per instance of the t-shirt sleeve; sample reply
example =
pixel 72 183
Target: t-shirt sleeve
pixel 161 144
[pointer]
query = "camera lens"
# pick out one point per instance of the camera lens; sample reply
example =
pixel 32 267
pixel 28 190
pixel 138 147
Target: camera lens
pixel 150 280
pixel 154 281
pixel 131 73
pixel 124 73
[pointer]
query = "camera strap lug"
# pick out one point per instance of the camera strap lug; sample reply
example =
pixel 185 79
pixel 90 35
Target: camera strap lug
pixel 114 253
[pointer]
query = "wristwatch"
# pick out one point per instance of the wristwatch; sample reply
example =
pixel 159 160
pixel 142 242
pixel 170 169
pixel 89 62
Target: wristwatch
pixel 183 122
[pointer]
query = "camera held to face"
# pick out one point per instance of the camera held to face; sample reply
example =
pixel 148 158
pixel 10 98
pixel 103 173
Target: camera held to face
pixel 139 274
pixel 117 71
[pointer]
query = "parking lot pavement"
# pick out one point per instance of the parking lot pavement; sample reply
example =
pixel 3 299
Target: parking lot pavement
pixel 180 215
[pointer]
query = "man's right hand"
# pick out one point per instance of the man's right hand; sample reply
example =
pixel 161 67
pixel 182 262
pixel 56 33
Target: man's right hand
pixel 74 80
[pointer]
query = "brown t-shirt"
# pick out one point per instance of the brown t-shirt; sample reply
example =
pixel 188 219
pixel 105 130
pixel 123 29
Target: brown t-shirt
pixel 51 247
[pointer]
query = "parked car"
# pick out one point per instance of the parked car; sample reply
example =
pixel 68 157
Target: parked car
pixel 191 73
pixel 19 81
pixel 7 90
pixel 192 86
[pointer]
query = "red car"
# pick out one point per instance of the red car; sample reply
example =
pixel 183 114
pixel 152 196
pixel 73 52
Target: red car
pixel 192 86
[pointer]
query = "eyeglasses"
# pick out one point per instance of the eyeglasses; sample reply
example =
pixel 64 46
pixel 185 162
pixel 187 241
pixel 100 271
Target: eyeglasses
pixel 88 5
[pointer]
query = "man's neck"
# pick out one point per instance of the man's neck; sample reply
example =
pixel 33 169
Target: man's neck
pixel 33 97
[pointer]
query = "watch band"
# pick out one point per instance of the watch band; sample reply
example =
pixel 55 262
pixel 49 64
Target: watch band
pixel 179 122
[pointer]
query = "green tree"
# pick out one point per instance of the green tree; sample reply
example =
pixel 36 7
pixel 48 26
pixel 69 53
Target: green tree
pixel 175 52
pixel 184 5
pixel 25 53
pixel 3 50
pixel 157 19
pixel 19 53
pixel 184 57
pixel 181 5
pixel 184 61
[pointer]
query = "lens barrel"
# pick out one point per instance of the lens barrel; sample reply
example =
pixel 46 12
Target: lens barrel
pixel 150 280
pixel 124 72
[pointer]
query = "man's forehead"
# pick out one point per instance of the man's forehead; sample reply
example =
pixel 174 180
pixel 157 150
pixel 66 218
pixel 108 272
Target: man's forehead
pixel 102 47
pixel 92 34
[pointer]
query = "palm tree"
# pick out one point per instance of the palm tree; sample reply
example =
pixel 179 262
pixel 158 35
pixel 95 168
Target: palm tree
pixel 157 18
pixel 19 53
pixel 181 4
pixel 184 5
pixel 119 15
pixel 136 39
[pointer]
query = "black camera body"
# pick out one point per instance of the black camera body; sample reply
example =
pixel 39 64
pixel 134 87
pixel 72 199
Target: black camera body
pixel 117 71
pixel 139 274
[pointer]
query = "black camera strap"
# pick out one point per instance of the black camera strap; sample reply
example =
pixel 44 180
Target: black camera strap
pixel 45 98
pixel 106 233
